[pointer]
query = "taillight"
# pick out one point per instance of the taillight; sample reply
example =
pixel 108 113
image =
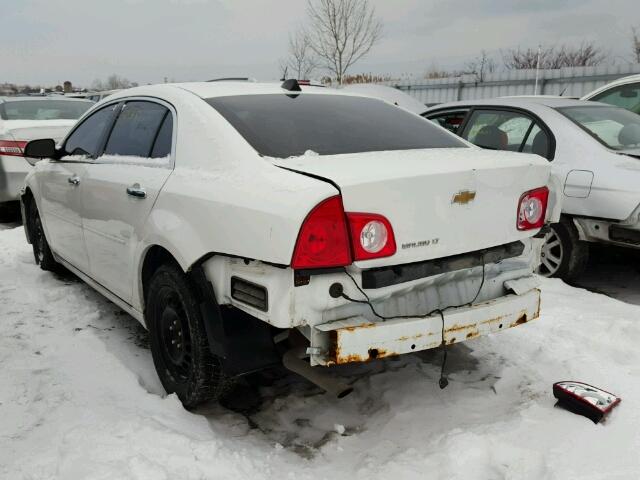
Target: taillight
pixel 12 148
pixel 532 208
pixel 323 240
pixel 371 236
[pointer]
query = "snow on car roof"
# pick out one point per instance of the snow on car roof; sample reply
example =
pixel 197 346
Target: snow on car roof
pixel 207 90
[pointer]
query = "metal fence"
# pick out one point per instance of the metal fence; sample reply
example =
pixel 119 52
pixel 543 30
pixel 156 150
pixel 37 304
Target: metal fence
pixel 570 82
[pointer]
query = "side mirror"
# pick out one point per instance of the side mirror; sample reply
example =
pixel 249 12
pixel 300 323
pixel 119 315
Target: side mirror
pixel 39 149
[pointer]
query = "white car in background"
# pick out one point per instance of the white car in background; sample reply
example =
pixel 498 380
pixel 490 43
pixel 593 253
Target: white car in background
pixel 594 150
pixel 23 119
pixel 241 220
pixel 624 92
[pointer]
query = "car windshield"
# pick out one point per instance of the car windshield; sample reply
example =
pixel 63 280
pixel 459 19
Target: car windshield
pixel 45 109
pixel 282 126
pixel 614 127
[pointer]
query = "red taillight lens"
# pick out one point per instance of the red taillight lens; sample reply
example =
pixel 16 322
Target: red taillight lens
pixel 532 208
pixel 371 236
pixel 12 148
pixel 323 240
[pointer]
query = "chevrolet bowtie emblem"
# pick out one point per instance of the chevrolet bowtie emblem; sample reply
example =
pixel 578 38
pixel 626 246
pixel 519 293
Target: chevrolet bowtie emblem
pixel 464 197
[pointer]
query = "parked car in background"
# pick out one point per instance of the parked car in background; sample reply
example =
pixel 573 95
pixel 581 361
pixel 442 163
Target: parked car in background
pixel 594 149
pixel 23 119
pixel 624 92
pixel 240 220
pixel 97 96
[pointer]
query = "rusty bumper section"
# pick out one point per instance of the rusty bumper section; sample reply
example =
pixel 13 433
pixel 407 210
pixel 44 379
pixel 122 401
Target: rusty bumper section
pixel 359 340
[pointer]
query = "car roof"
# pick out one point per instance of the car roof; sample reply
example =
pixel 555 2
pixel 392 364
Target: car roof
pixel 207 90
pixel 527 103
pixel 390 94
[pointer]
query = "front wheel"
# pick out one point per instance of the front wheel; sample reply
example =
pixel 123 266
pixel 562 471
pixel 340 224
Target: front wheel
pixel 41 251
pixel 563 254
pixel 178 340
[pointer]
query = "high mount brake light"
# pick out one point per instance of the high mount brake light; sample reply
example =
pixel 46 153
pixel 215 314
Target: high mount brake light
pixel 371 236
pixel 532 209
pixel 12 148
pixel 328 237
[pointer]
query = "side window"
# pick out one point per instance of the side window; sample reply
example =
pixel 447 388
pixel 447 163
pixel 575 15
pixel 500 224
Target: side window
pixel 162 145
pixel 449 120
pixel 537 142
pixel 87 138
pixel 497 130
pixel 135 130
pixel 625 96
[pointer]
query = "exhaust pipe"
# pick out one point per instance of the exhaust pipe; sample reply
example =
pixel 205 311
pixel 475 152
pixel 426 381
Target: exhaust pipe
pixel 292 360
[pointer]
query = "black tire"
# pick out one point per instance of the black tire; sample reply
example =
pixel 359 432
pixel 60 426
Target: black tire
pixel 563 254
pixel 41 250
pixel 178 340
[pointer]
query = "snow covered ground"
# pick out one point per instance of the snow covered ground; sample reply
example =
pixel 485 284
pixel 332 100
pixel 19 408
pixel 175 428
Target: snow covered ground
pixel 79 399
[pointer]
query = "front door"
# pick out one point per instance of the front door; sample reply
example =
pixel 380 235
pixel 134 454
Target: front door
pixel 120 188
pixel 60 203
pixel 62 186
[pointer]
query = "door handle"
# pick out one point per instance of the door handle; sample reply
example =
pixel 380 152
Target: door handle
pixel 137 191
pixel 74 180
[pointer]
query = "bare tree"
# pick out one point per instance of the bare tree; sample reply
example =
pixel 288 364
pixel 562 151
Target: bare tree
pixel 635 44
pixel 584 55
pixel 481 66
pixel 301 60
pixel 341 32
pixel 113 82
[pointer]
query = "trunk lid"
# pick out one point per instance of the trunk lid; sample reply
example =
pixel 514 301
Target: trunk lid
pixel 440 202
pixel 25 130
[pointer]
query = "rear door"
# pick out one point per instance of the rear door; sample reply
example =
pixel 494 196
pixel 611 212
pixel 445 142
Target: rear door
pixel 121 187
pixel 61 187
pixel 511 130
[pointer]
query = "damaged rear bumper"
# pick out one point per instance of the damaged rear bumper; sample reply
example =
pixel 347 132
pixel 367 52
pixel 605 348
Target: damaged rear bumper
pixel 357 339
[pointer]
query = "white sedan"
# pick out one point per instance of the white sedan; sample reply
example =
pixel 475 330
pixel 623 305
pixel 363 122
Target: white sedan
pixel 23 119
pixel 624 92
pixel 594 150
pixel 240 220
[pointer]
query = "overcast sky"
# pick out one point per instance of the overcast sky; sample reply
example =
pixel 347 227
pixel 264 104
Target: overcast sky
pixel 49 41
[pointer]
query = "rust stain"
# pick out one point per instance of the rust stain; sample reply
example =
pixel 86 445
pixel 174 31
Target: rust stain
pixel 521 319
pixel 493 320
pixel 473 334
pixel 457 328
pixel 372 354
pixel 357 327
pixel 414 337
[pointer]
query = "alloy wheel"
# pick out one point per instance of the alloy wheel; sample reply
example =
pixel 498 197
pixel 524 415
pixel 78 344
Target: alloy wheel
pixel 551 255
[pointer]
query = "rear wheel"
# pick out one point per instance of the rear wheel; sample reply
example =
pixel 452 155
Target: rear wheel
pixel 41 251
pixel 563 254
pixel 178 340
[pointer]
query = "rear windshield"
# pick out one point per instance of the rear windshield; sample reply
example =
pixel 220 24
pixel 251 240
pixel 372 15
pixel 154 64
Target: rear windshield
pixel 43 109
pixel 616 128
pixel 283 126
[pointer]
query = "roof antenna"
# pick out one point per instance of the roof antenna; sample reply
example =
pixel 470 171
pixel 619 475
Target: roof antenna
pixel 292 85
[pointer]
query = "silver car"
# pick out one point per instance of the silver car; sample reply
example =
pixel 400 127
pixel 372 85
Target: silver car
pixel 23 119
